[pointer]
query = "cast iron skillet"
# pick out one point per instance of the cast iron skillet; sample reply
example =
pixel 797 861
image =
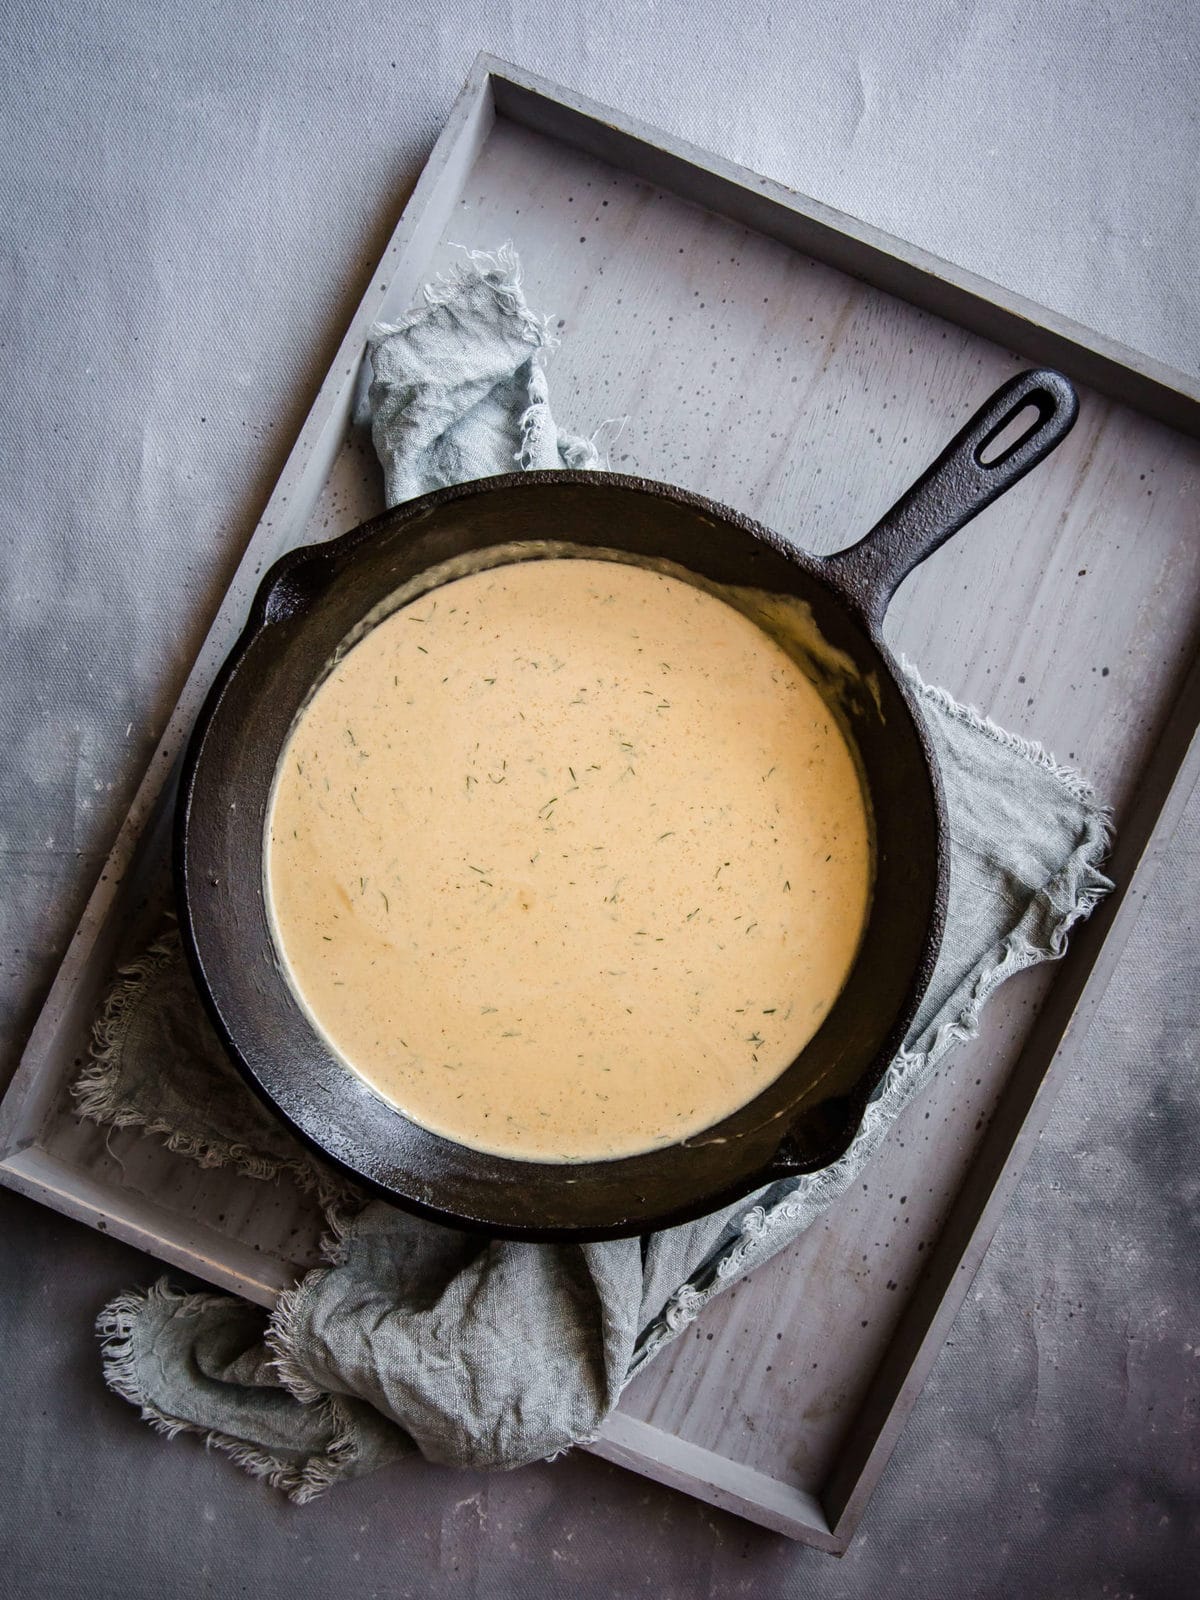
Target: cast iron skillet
pixel 313 598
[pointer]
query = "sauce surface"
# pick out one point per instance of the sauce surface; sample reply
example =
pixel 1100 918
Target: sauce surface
pixel 567 859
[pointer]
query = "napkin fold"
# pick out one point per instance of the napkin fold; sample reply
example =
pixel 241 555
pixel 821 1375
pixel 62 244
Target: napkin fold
pixel 494 1354
pixel 458 391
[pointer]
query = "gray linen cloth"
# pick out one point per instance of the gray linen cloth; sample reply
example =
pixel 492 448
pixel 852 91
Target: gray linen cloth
pixel 498 1353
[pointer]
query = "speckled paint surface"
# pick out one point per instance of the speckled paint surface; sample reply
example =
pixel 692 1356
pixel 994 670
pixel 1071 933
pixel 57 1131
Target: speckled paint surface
pixel 198 201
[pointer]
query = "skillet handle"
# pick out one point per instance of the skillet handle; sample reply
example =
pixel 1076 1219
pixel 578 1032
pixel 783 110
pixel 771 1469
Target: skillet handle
pixel 955 488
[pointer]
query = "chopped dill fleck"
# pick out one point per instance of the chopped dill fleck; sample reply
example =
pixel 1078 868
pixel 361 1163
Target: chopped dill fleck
pixel 422 649
pixel 670 834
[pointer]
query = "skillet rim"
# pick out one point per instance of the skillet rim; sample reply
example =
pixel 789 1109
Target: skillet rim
pixel 273 585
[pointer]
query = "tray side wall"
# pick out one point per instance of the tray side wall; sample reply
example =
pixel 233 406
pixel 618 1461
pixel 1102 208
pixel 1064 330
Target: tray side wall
pixel 852 246
pixel 1096 951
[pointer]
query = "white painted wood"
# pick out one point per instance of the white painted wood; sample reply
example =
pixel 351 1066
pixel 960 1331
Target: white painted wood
pixel 995 1171
pixel 88 1194
pixel 809 227
pixel 706 1475
pixel 792 391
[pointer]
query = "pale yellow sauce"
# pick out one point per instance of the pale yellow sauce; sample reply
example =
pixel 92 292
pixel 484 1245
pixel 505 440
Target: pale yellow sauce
pixel 567 859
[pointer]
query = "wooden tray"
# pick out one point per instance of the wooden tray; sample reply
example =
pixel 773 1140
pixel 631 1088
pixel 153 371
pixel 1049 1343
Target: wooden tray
pixel 802 367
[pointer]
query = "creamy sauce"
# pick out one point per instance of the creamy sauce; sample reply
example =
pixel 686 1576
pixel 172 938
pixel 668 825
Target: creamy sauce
pixel 567 859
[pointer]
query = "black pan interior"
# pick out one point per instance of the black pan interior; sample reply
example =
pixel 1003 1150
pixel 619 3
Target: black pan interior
pixel 308 605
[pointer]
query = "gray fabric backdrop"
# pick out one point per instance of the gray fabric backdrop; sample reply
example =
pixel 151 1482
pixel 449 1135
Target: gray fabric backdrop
pixel 192 199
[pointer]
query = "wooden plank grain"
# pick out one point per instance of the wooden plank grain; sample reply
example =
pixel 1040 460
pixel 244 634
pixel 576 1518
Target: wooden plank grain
pixel 1086 972
pixel 851 246
pixel 706 1475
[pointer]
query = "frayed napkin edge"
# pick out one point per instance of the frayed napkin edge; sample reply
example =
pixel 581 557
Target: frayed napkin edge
pixel 95 1093
pixel 300 1482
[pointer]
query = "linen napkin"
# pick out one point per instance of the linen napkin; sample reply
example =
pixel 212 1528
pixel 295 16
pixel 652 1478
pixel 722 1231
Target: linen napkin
pixel 498 1353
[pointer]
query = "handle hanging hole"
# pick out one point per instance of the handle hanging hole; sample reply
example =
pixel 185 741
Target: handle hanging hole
pixel 1011 434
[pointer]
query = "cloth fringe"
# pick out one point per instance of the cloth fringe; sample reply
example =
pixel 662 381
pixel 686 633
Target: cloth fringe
pixel 301 1483
pixel 501 271
pixel 281 1330
pixel 1072 780
pixel 604 438
pixel 280 1334
pixel 95 1090
pixel 96 1093
pixel 281 1338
